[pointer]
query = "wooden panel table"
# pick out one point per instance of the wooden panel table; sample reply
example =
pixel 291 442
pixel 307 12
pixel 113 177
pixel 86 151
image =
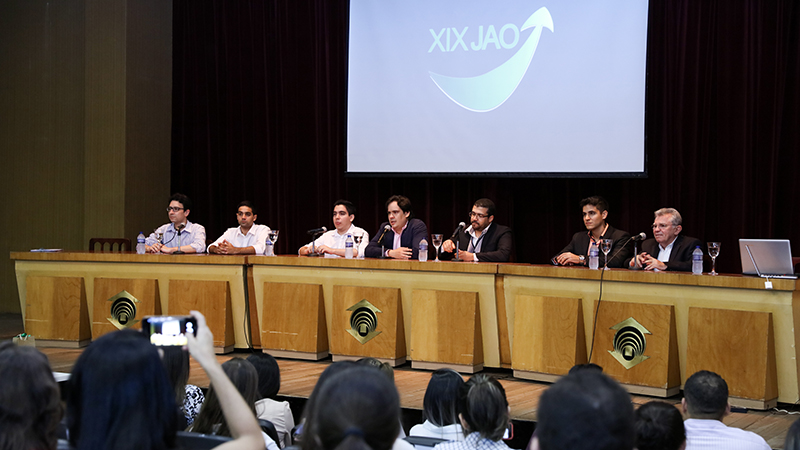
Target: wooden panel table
pixel 407 276
pixel 99 268
pixel 689 295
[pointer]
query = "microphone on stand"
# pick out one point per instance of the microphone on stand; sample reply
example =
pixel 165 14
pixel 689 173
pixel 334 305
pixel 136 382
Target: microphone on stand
pixel 317 230
pixel 456 237
pixel 314 233
pixel 380 239
pixel 179 228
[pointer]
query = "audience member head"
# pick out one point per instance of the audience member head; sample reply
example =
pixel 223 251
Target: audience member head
pixel 483 407
pixel 792 441
pixel 244 376
pixel 356 409
pixel 585 410
pixel 705 396
pixel 382 366
pixel 30 407
pixel 440 405
pixel 587 366
pixel 120 396
pixel 659 426
pixel 176 362
pixel 598 202
pixel 269 374
pixel 329 372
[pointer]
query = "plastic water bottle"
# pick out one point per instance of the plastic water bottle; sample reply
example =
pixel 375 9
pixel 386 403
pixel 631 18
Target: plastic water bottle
pixel 697 261
pixel 594 257
pixel 348 246
pixel 140 247
pixel 423 250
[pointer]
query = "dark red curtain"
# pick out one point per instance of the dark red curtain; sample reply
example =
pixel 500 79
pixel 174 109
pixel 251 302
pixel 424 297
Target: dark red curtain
pixel 259 98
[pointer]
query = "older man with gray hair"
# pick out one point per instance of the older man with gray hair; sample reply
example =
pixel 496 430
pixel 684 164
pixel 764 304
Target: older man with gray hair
pixel 668 250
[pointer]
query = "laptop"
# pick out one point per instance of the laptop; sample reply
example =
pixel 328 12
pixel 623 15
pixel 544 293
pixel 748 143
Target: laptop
pixel 767 258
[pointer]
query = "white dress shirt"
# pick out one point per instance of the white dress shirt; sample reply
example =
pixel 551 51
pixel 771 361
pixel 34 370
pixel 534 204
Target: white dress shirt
pixel 256 237
pixel 702 434
pixel 335 240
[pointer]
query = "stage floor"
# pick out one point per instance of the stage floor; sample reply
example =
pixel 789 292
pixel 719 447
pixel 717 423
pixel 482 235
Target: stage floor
pixel 298 379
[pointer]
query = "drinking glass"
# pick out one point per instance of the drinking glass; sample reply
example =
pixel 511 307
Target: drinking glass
pixel 357 238
pixel 605 246
pixel 159 238
pixel 713 252
pixel 273 237
pixel 437 242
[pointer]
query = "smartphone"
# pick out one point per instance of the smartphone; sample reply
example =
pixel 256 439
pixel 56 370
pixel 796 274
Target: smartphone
pixel 509 433
pixel 169 330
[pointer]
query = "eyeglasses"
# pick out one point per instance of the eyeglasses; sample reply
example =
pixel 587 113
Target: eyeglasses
pixel 173 208
pixel 661 226
pixel 478 215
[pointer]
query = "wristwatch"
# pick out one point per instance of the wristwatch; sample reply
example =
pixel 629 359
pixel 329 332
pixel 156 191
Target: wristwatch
pixel 583 259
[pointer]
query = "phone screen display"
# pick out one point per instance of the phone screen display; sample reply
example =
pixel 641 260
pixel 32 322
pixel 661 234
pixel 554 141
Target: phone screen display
pixel 169 330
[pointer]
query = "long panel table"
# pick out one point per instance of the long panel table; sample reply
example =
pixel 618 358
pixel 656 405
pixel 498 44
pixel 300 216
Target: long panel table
pixel 720 321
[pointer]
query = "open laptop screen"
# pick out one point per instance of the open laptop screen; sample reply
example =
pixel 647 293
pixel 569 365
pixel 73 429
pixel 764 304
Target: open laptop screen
pixel 772 256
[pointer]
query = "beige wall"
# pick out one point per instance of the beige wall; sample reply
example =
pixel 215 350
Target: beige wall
pixel 85 101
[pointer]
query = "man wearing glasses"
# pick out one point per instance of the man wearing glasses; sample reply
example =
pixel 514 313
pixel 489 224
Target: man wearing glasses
pixel 332 243
pixel 483 240
pixel 180 235
pixel 246 239
pixel 669 250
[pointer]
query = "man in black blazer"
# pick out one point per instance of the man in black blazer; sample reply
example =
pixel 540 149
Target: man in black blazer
pixel 669 250
pixel 482 240
pixel 401 224
pixel 595 212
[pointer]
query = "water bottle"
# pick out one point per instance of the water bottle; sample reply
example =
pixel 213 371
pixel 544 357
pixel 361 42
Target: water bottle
pixel 348 246
pixel 140 247
pixel 423 250
pixel 594 257
pixel 697 261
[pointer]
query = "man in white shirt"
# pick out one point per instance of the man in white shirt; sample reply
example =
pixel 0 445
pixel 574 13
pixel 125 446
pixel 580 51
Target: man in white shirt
pixel 705 403
pixel 246 239
pixel 332 243
pixel 179 235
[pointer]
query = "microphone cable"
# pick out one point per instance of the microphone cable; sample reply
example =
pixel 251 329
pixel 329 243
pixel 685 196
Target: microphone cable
pixel 600 298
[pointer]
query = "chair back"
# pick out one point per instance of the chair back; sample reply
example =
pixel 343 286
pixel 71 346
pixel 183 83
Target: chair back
pixel 269 428
pixel 122 244
pixel 189 440
pixel 422 442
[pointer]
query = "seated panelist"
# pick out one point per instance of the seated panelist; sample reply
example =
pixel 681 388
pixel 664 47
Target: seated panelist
pixel 190 236
pixel 483 240
pixel 401 239
pixel 332 242
pixel 595 212
pixel 668 250
pixel 246 239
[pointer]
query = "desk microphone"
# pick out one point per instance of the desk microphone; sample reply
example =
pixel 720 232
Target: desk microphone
pixel 459 229
pixel 317 230
pixel 385 229
pixel 639 237
pixel 179 228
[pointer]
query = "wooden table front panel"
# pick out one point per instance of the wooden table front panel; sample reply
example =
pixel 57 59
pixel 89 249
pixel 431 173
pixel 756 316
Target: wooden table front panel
pixel 446 327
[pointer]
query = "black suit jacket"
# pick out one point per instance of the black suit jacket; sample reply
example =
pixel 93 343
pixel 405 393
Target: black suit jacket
pixel 414 232
pixel 680 258
pixel 621 249
pixel 496 246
